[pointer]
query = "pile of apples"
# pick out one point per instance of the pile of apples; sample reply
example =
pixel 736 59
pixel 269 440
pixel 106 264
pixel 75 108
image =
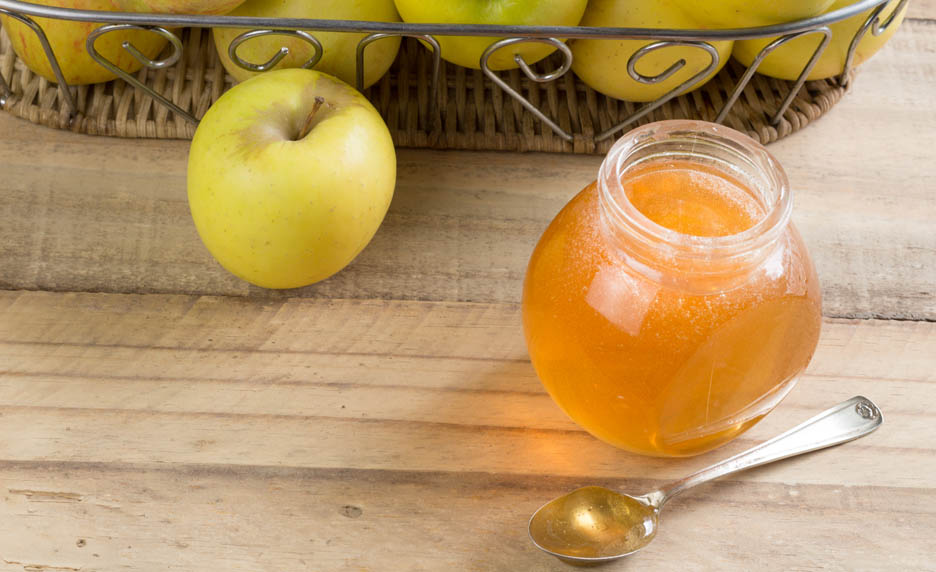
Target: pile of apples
pixel 599 63
pixel 291 172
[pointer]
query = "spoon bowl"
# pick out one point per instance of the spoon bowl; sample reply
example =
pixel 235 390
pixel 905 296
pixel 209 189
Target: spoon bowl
pixel 593 525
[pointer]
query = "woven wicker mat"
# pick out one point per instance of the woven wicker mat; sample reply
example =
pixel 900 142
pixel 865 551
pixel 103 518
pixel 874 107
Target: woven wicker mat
pixel 472 113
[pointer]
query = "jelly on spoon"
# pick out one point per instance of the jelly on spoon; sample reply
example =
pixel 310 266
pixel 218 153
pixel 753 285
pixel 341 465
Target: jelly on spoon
pixel 592 525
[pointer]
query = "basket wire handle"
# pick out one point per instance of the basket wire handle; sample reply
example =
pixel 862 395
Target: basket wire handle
pixel 546 77
pixel 278 56
pixel 532 75
pixel 665 74
pixel 148 63
pixel 5 92
pixel 64 88
pixel 436 61
pixel 873 23
pixel 765 51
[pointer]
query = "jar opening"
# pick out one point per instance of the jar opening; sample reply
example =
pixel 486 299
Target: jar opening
pixel 709 146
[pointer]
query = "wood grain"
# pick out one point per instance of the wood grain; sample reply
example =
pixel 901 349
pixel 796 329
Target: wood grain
pixel 248 434
pixel 86 517
pixel 389 418
pixel 462 225
pixel 922 9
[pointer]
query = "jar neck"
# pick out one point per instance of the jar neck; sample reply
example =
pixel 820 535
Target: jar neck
pixel 696 263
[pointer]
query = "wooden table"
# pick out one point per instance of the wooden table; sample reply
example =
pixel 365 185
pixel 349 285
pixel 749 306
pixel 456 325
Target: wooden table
pixel 157 413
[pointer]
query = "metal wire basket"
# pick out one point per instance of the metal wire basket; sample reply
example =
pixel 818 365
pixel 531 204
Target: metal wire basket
pixel 164 24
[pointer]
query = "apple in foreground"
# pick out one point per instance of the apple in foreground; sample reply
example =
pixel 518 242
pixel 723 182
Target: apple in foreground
pixel 788 60
pixel 290 174
pixel 466 51
pixel 339 48
pixel 751 13
pixel 602 64
pixel 68 44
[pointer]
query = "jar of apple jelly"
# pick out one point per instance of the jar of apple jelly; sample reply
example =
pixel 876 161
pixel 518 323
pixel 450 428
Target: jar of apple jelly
pixel 671 304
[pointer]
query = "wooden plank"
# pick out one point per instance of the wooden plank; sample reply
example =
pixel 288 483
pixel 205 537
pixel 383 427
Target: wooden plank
pixel 223 433
pixel 90 517
pixel 850 229
pixel 456 389
pixel 922 9
pixel 98 214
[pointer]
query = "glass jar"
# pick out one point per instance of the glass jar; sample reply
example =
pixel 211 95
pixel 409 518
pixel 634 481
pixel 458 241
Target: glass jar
pixel 671 304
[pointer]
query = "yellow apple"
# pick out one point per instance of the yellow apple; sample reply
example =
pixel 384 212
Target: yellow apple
pixel 602 64
pixel 289 175
pixel 339 57
pixel 68 44
pixel 180 6
pixel 751 13
pixel 788 60
pixel 466 50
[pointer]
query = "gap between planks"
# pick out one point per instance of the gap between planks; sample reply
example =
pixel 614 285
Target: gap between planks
pixel 922 10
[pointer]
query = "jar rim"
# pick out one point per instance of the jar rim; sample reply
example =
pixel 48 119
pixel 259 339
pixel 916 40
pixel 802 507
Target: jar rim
pixel 624 212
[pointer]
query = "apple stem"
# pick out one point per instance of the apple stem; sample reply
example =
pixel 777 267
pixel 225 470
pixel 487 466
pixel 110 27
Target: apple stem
pixel 307 127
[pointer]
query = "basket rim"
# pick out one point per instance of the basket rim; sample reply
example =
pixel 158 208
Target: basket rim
pixel 567 32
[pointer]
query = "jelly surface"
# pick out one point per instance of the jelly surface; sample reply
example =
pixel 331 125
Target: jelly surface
pixel 659 369
pixel 692 200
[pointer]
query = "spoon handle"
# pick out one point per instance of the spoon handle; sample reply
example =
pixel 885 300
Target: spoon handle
pixel 846 421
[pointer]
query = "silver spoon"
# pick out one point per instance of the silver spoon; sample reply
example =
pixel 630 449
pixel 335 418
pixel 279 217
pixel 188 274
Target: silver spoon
pixel 593 525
